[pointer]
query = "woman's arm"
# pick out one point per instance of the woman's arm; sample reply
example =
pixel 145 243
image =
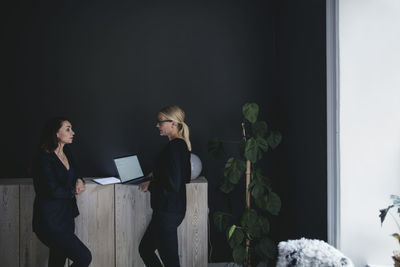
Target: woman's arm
pixel 175 168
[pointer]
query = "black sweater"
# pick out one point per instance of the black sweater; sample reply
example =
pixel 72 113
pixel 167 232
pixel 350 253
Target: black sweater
pixel 172 172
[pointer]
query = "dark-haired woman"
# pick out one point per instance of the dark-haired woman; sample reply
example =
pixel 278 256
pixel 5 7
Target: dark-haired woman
pixel 56 184
pixel 168 190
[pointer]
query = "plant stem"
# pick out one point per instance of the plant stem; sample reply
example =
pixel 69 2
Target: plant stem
pixel 248 176
pixel 248 172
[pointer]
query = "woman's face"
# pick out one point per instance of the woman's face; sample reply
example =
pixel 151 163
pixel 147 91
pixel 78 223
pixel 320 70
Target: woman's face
pixel 164 125
pixel 65 134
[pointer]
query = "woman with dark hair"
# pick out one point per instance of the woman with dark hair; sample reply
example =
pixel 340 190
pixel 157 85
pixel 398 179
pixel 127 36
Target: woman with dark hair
pixel 168 190
pixel 56 184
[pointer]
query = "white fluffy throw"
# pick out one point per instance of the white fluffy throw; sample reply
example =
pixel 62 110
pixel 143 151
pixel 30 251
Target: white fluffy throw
pixel 309 253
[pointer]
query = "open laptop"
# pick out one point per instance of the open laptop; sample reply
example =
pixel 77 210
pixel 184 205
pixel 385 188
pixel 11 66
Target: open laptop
pixel 129 172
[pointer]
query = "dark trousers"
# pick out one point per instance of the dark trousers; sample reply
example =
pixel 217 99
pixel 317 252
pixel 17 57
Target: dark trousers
pixel 161 235
pixel 65 245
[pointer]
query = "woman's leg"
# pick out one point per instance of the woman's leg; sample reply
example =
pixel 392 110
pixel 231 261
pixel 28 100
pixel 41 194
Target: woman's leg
pixel 56 257
pixel 147 247
pixel 168 238
pixel 66 245
pixel 76 251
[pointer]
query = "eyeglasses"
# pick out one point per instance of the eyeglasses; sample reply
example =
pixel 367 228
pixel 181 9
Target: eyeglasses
pixel 161 122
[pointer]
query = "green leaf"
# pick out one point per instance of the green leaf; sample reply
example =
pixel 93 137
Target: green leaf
pixel 242 146
pixel 397 236
pixel 234 170
pixel 250 112
pixel 227 186
pixel 236 237
pixel 250 221
pixel 258 175
pixel 249 218
pixel 383 213
pixel 239 254
pixel 221 220
pixel 251 150
pixel 261 202
pixel 396 200
pixel 264 224
pixel 266 249
pixel 215 147
pixel 252 182
pixel 267 182
pixel 274 139
pixel 254 231
pixel 231 230
pixel 258 191
pixel 259 128
pixel 274 203
pixel 260 179
pixel 259 154
pixel 262 143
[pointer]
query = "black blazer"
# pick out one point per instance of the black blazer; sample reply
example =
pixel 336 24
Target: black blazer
pixel 54 208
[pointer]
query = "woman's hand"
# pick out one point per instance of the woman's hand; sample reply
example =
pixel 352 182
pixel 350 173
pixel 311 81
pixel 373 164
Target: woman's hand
pixel 144 186
pixel 80 186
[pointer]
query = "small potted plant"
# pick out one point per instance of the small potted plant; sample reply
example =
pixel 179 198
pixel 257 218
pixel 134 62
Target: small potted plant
pixel 382 215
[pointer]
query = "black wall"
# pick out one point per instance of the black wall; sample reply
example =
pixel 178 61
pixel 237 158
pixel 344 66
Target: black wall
pixel 110 66
pixel 301 161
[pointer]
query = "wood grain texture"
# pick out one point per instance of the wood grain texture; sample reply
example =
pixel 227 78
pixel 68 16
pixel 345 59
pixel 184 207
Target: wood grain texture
pixel 95 224
pixel 192 233
pixel 132 215
pixel 9 225
pixel 32 251
pixel 111 223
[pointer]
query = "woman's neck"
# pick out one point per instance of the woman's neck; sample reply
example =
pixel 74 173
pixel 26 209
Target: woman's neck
pixel 60 149
pixel 174 136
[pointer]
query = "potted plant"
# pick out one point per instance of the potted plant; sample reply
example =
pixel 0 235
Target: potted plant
pixel 249 236
pixel 382 214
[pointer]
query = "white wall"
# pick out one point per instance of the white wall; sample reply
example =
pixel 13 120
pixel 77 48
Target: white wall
pixel 369 47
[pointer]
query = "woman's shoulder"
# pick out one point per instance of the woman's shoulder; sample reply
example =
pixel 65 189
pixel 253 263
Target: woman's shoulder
pixel 44 154
pixel 42 158
pixel 178 143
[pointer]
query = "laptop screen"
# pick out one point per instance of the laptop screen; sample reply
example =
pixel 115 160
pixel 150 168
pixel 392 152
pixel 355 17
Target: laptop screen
pixel 128 168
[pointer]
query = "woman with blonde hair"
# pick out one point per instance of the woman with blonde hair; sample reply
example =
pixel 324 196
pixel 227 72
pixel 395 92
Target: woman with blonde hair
pixel 168 190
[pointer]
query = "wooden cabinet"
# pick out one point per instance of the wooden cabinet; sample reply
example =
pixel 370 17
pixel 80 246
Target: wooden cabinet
pixel 9 225
pixel 111 223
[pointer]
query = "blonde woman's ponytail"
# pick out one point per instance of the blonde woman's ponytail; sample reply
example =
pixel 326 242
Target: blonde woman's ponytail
pixel 185 134
pixel 176 114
